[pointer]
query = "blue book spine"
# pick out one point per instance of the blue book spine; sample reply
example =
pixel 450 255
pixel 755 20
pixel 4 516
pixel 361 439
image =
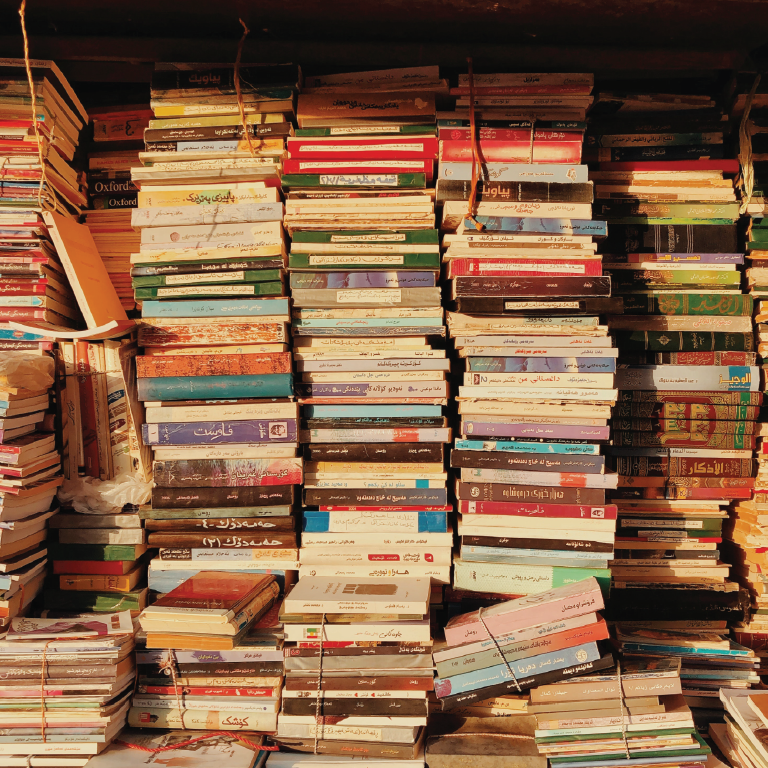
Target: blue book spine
pixel 8 334
pixel 368 322
pixel 533 665
pixel 165 581
pixel 542 364
pixel 429 522
pixel 215 387
pixel 680 651
pixel 217 432
pixel 513 224
pixel 355 411
pixel 512 446
pixel 216 308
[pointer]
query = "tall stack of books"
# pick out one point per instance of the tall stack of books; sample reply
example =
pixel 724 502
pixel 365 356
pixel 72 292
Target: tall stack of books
pixel 30 474
pixel 520 644
pixel 358 668
pixel 683 430
pixel 33 285
pixel 117 138
pixel 364 273
pixel 216 374
pixel 620 717
pixel 199 671
pixel 66 687
pixel 527 289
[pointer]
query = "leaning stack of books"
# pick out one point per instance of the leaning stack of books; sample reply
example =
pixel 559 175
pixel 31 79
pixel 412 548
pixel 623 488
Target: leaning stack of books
pixel 743 732
pixel 520 644
pixel 30 474
pixel 66 687
pixel 359 667
pixel 117 139
pixel 527 289
pixel 200 670
pixel 216 374
pixel 683 429
pixel 364 268
pixel 631 715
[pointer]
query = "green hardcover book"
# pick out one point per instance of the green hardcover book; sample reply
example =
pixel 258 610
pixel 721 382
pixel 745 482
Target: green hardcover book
pixel 147 513
pixel 97 602
pixel 391 130
pixel 664 221
pixel 420 236
pixel 698 211
pixel 363 261
pixel 98 552
pixel 273 288
pixel 355 180
pixel 233 278
pixel 723 304
pixel 685 341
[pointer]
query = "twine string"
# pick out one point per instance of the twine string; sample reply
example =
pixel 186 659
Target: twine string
pixel 498 649
pixel 239 90
pixel 170 664
pixel 621 709
pixel 530 146
pixel 745 150
pixel 474 147
pixel 319 692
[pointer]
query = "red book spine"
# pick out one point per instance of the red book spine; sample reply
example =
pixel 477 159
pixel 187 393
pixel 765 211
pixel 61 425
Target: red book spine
pixel 91 567
pixel 513 151
pixel 212 365
pixel 343 166
pixel 561 267
pixel 578 511
pixel 21 313
pixel 509 134
pixel 87 410
pixel 22 289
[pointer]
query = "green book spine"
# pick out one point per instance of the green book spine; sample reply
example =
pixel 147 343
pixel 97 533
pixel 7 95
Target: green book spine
pixel 64 600
pixel 224 278
pixel 352 180
pixel 723 304
pixel 413 236
pixel 373 260
pixel 663 276
pixel 395 130
pixel 658 732
pixel 685 341
pixel 641 219
pixel 99 552
pixel 274 288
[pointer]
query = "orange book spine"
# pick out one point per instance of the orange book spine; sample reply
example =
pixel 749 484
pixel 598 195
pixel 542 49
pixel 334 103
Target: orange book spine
pixel 213 365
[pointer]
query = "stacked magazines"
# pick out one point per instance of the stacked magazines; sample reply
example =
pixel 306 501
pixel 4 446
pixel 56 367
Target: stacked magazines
pixel 66 686
pixel 359 668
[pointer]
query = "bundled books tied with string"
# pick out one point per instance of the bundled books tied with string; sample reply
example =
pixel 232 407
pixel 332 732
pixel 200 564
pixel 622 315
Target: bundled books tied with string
pixel 66 687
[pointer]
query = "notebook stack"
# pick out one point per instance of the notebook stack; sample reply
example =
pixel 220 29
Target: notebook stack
pixel 358 667
pixel 33 285
pixel 520 644
pixel 527 290
pixel 30 474
pixel 200 669
pixel 66 687
pixel 216 374
pixel 117 139
pixel 631 715
pixel 364 267
pixel 683 430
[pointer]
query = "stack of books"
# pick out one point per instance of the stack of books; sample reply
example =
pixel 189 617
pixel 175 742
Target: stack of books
pixel 527 289
pixel 117 138
pixel 199 670
pixel 30 474
pixel 358 667
pixel 683 430
pixel 216 374
pixel 743 732
pixel 66 687
pixel 33 285
pixel 634 714
pixel 520 644
pixel 364 267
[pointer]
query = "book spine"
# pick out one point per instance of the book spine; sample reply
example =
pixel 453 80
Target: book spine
pixel 374 389
pixel 561 463
pixel 272 540
pixel 690 304
pixel 532 286
pixel 143 717
pixel 684 341
pixel 731 378
pixel 698 426
pixel 547 511
pixel 212 473
pixel 645 466
pixel 192 498
pixel 657 238
pixel 362 497
pixel 541 364
pixel 100 552
pixel 358 707
pixel 118 411
pixel 363 279
pixel 215 268
pixel 470 427
pixel 327 522
pixel 236 554
pixel 175 334
pixel 632 154
pixel 86 386
pixel 216 308
pixel 217 433
pixel 499 492
pixel 538 268
pixel 212 387
pixel 515 172
pixel 523 192
pixel 353 179
pixel 520 151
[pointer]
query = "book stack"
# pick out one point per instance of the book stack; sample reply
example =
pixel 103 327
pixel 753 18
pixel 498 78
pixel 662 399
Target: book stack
pixel 740 739
pixel 527 289
pixel 364 267
pixel 33 285
pixel 30 474
pixel 66 687
pixel 199 670
pixel 683 430
pixel 345 636
pixel 117 139
pixel 520 644
pixel 634 714
pixel 216 374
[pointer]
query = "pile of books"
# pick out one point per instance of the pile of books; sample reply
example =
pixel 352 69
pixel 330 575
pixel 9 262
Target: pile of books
pixel 527 289
pixel 66 687
pixel 740 739
pixel 633 714
pixel 199 670
pixel 33 285
pixel 30 474
pixel 216 374
pixel 358 667
pixel 117 139
pixel 688 385
pixel 364 273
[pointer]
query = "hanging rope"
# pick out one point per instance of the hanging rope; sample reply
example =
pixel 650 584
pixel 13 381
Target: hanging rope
pixel 475 149
pixel 238 89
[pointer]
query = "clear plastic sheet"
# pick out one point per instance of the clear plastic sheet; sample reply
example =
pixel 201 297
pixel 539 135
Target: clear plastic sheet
pixel 92 496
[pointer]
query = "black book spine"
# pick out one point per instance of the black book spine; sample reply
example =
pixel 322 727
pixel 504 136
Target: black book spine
pixel 671 238
pixel 659 604
pixel 214 525
pixel 532 286
pixel 630 154
pixel 190 498
pixel 568 545
pixel 528 461
pixel 353 707
pixel 547 494
pixel 522 192
pixel 116 202
pixel 409 453
pixel 371 497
